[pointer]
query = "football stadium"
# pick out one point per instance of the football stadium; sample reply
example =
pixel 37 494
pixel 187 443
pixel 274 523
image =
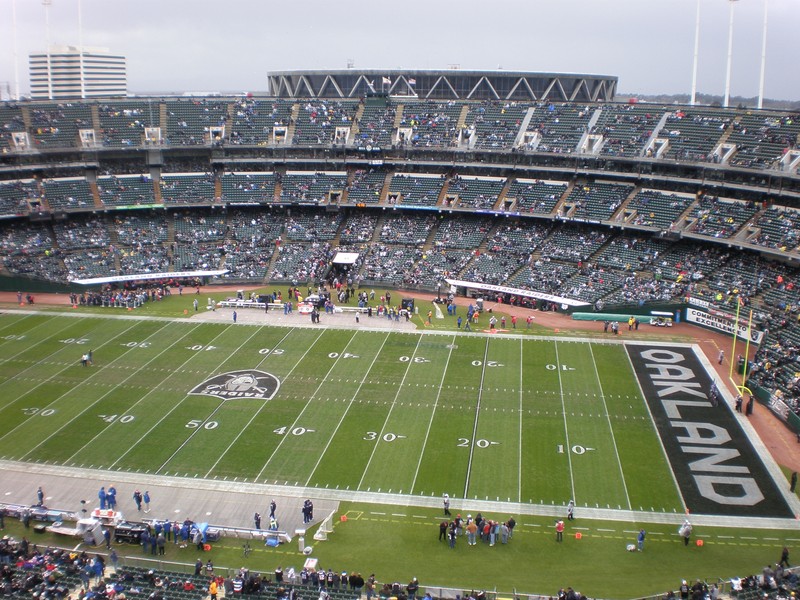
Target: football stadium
pixel 399 333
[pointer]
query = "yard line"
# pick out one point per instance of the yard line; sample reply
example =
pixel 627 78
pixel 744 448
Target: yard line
pixel 177 404
pixel 346 410
pixel 100 398
pixel 308 403
pixel 519 443
pixel 102 431
pixel 566 429
pixel 47 339
pixel 9 325
pixel 610 427
pixel 477 414
pixel 389 413
pixel 433 413
pixel 652 422
pixel 41 383
pixel 263 406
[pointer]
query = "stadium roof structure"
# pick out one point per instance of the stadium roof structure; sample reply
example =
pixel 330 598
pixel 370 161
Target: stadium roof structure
pixel 446 84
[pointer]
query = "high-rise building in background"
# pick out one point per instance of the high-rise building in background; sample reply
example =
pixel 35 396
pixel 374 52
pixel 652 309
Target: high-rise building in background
pixel 70 72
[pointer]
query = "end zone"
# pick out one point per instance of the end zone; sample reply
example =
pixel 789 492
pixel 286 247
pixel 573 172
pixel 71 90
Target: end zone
pixel 716 467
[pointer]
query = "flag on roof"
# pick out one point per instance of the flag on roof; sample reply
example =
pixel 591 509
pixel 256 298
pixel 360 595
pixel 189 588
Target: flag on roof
pixel 386 81
pixel 412 81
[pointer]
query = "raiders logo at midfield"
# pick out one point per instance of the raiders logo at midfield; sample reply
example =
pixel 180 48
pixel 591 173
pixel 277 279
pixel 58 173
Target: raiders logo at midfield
pixel 239 384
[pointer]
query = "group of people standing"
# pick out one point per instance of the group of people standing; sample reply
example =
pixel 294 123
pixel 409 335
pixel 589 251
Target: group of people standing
pixel 108 499
pixel 487 530
pixel 273 521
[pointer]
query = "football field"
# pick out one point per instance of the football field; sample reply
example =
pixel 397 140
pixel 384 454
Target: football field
pixel 480 417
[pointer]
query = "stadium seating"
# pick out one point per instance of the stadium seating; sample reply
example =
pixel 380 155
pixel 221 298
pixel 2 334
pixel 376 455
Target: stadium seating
pixel 358 229
pixel 761 138
pixel 140 230
pixel 188 121
pixel 11 121
pixel 187 189
pixel 155 259
pixel 311 188
pixel 467 232
pixel 14 196
pixel 388 265
pixel 432 123
pixel 250 188
pixel 82 232
pixel 366 186
pixel 415 190
pixel 198 228
pixel 196 257
pixel 317 121
pixel 254 120
pixel 496 124
pixel 126 190
pixel 533 196
pixel 715 217
pixel 376 125
pixel 123 122
pixel 596 201
pixel 435 265
pixel 657 209
pixel 561 126
pixel 694 132
pixel 310 226
pixel 90 263
pixel 748 198
pixel 779 228
pixel 300 262
pixel 520 238
pixel 476 193
pixel 68 194
pixel 57 125
pixel 626 128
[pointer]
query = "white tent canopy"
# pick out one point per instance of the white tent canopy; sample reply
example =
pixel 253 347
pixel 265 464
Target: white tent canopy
pixel 516 292
pixel 345 258
pixel 149 276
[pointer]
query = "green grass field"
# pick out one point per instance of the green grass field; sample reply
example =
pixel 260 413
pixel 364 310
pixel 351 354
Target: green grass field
pixel 480 417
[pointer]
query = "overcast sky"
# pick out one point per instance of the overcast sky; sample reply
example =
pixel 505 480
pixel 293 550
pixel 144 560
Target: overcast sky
pixel 230 45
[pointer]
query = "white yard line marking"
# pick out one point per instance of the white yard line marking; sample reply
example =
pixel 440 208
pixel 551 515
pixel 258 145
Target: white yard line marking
pixel 654 428
pixel 264 404
pixel 433 414
pixel 214 412
pixel 322 382
pixel 477 415
pixel 389 413
pixel 566 429
pixel 610 427
pixel 26 334
pixel 519 440
pixel 177 404
pixel 135 371
pixel 41 383
pixel 347 410
pixel 44 359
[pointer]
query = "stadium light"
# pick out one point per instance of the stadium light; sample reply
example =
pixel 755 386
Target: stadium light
pixel 47 4
pixel 16 52
pixel 763 59
pixel 730 56
pixel 696 54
